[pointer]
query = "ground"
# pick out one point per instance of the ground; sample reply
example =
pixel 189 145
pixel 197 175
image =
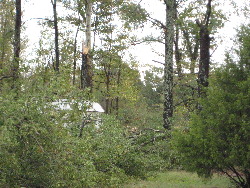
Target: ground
pixel 181 179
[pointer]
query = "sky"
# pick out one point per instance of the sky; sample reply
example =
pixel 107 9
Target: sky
pixel 143 53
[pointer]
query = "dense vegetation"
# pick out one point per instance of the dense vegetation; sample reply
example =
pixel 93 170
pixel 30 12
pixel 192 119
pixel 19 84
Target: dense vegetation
pixel 194 117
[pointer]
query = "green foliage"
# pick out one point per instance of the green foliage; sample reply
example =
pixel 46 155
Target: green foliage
pixel 244 45
pixel 6 37
pixel 218 135
pixel 133 15
pixel 152 89
pixel 30 141
pixel 38 151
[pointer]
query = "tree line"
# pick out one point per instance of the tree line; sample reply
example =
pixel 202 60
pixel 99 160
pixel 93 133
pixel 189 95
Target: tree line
pixel 172 119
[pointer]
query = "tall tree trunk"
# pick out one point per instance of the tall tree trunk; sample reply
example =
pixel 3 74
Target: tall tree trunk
pixel 17 44
pixel 118 85
pixel 176 45
pixel 83 68
pixel 107 100
pixel 168 68
pixel 74 62
pixel 87 59
pixel 177 52
pixel 204 63
pixel 57 64
pixel 3 29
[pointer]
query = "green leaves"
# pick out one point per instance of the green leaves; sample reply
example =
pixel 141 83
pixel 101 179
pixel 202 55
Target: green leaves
pixel 219 135
pixel 133 15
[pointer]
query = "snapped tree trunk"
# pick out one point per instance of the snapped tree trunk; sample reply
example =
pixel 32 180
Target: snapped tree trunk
pixel 17 44
pixel 56 36
pixel 89 73
pixel 168 68
pixel 86 80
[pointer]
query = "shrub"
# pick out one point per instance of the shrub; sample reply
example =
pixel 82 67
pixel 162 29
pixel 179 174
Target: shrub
pixel 218 137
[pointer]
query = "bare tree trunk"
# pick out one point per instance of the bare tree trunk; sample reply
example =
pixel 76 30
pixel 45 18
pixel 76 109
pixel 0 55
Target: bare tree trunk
pixel 118 85
pixel 56 35
pixel 204 63
pixel 177 52
pixel 89 73
pixel 3 28
pixel 176 44
pixel 74 62
pixel 83 69
pixel 168 68
pixel 86 72
pixel 17 43
pixel 107 100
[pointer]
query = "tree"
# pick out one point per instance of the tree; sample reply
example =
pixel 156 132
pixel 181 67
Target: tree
pixel 86 74
pixel 152 88
pixel 204 36
pixel 57 64
pixel 168 67
pixel 7 22
pixel 190 35
pixel 218 137
pixel 17 44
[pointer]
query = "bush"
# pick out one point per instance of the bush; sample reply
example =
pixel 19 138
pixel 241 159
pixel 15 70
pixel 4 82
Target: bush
pixel 37 151
pixel 30 141
pixel 218 138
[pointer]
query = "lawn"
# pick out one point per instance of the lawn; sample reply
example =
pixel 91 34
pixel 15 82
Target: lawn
pixel 181 179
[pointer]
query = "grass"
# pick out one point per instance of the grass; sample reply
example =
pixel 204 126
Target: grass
pixel 181 179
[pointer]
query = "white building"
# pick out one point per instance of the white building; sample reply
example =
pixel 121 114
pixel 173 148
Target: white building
pixel 91 110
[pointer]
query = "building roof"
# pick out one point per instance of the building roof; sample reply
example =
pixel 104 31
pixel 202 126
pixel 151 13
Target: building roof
pixel 95 107
pixel 65 104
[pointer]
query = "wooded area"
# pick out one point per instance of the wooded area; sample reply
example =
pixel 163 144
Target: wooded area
pixel 191 114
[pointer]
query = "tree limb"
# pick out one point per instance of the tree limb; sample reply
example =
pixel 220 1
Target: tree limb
pixel 146 40
pixel 3 77
pixel 208 13
pixel 157 22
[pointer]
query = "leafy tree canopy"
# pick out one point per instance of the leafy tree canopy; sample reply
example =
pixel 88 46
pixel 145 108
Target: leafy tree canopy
pixel 218 138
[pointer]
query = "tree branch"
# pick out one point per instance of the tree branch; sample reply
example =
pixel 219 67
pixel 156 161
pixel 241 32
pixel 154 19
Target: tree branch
pixel 147 40
pixel 208 13
pixel 158 62
pixel 158 22
pixel 3 77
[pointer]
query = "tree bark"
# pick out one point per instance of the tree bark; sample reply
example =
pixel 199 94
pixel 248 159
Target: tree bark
pixel 57 64
pixel 118 85
pixel 204 63
pixel 168 68
pixel 89 73
pixel 176 44
pixel 17 43
pixel 83 70
pixel 177 52
pixel 74 62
